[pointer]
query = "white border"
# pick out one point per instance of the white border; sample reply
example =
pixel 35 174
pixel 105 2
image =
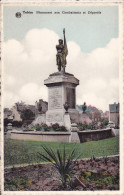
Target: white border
pixel 121 92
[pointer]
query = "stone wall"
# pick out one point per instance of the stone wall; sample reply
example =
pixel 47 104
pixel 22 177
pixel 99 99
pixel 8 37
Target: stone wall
pixel 84 136
pixel 42 136
pixel 94 135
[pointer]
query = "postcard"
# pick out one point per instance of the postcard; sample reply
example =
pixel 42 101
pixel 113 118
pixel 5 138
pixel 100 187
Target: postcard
pixel 62 98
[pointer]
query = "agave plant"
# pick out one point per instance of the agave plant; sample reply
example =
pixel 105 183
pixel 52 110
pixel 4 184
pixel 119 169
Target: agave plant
pixel 61 161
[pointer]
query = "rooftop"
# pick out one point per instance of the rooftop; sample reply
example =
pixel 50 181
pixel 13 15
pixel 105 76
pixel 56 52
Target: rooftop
pixel 114 107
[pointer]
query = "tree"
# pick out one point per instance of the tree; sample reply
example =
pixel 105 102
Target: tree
pixel 6 121
pixel 105 122
pixel 27 114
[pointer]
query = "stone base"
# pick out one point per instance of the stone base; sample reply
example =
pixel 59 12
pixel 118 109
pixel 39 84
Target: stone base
pixel 61 89
pixel 67 121
pixel 41 118
pixel 74 134
pixel 53 117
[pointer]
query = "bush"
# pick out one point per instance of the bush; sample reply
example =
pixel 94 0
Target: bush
pixel 56 127
pixel 14 123
pixel 27 114
pixel 17 123
pixel 53 127
pixel 6 121
pixel 84 126
pixel 19 183
pixel 104 122
pixel 38 127
pixel 63 163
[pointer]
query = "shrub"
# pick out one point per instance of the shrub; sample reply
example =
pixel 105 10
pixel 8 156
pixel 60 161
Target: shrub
pixel 55 126
pixel 61 162
pixel 27 114
pixel 19 183
pixel 104 122
pixel 84 126
pixel 60 128
pixel 44 127
pixel 17 123
pixel 6 121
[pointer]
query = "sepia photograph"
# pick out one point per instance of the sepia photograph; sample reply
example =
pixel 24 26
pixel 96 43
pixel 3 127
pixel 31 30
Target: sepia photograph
pixel 62 74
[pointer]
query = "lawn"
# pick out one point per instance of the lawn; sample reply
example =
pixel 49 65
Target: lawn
pixel 20 152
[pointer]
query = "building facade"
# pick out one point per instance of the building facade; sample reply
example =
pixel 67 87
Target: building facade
pixel 114 113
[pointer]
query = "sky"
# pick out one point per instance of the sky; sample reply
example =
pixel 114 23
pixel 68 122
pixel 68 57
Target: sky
pixel 30 52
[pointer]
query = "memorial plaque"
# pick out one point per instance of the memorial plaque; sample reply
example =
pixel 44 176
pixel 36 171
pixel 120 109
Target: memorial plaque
pixel 71 97
pixel 55 98
pixel 54 118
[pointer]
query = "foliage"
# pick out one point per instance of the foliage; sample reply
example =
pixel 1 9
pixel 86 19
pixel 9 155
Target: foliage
pixel 101 179
pixel 57 127
pixel 27 114
pixel 6 121
pixel 61 161
pixel 104 122
pixel 20 183
pixel 44 127
pixel 17 123
pixel 20 103
pixel 82 126
pixel 14 123
pixel 85 126
pixel 22 151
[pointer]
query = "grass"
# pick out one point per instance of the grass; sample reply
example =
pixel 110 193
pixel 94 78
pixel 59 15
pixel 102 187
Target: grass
pixel 20 152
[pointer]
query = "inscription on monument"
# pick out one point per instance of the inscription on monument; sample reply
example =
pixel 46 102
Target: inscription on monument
pixel 54 118
pixel 71 97
pixel 55 98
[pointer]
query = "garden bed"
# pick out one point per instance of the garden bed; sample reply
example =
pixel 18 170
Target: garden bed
pixel 89 174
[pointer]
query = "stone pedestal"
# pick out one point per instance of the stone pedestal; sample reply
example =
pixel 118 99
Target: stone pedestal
pixel 9 126
pixel 40 118
pixel 61 89
pixel 67 121
pixel 74 133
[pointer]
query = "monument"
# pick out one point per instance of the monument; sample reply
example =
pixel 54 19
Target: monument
pixel 61 104
pixel 61 90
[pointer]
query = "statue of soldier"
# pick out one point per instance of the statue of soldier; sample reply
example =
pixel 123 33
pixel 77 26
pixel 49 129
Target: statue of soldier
pixel 62 52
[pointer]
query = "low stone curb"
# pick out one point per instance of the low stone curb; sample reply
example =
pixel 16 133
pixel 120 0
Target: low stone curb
pixel 17 166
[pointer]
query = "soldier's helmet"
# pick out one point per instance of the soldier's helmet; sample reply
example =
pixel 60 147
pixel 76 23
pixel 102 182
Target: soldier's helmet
pixel 60 41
